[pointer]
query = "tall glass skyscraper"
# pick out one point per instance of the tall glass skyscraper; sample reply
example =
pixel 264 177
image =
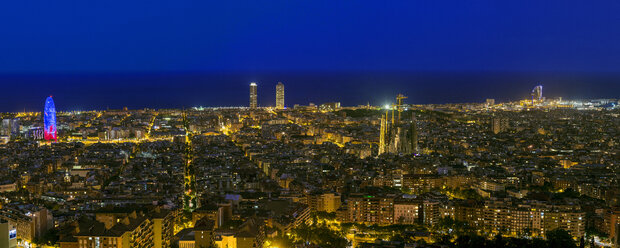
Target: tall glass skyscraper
pixel 280 96
pixel 253 95
pixel 49 120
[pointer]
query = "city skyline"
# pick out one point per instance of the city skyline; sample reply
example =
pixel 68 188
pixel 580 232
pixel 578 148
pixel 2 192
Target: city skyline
pixel 310 124
pixel 82 93
pixel 378 50
pixel 532 172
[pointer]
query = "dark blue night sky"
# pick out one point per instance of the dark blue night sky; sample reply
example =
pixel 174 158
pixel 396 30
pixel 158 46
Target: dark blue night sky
pixel 98 54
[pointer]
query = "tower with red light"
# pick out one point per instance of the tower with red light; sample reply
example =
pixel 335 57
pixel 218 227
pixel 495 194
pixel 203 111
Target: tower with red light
pixel 49 120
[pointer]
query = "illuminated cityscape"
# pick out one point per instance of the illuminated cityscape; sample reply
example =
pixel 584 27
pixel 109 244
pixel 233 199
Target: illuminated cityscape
pixel 364 175
pixel 407 124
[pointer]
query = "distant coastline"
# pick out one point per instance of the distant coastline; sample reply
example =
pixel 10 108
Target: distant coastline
pixel 179 90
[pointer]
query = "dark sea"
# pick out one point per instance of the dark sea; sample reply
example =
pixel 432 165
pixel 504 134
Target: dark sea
pixel 184 90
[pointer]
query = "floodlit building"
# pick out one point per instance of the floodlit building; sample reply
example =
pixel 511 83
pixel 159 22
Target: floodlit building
pixel 8 235
pixel 253 95
pixel 280 96
pixel 123 227
pixel 407 211
pixel 370 209
pixel 499 125
pixel 398 136
pixel 249 234
pixel 327 202
pixel 30 224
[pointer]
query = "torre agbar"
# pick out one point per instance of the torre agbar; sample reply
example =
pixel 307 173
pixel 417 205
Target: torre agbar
pixel 49 119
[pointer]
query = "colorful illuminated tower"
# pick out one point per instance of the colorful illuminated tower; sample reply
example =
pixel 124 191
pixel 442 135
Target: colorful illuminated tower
pixel 49 120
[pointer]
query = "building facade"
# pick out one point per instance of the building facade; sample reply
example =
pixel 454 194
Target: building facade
pixel 49 119
pixel 253 95
pixel 30 224
pixel 280 96
pixel 8 235
pixel 327 202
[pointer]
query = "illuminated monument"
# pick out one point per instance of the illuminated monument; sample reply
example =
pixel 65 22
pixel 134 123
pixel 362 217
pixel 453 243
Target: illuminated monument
pixel 49 120
pixel 398 136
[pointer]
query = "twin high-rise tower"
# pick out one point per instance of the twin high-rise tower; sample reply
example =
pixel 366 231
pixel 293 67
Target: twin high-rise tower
pixel 253 95
pixel 279 95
